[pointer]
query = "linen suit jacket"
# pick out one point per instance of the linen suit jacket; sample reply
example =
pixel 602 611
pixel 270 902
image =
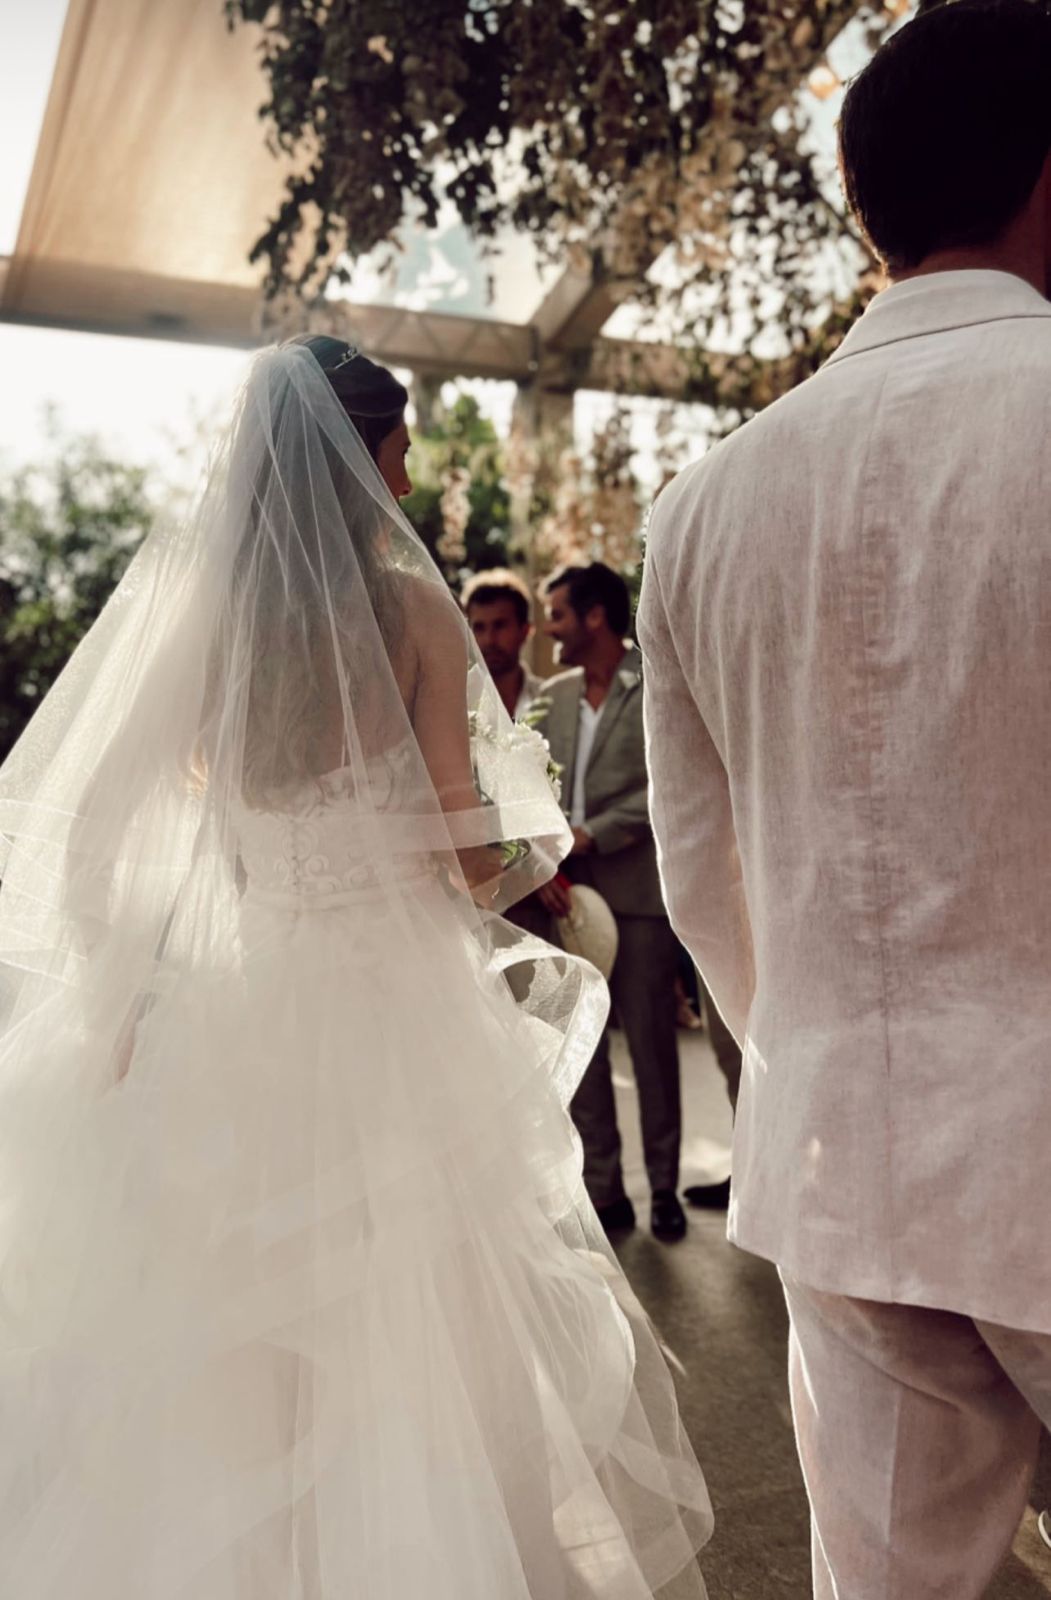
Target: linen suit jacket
pixel 532 686
pixel 623 867
pixel 846 619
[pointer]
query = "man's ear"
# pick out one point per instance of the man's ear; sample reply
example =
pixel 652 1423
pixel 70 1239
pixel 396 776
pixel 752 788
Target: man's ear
pixel 595 619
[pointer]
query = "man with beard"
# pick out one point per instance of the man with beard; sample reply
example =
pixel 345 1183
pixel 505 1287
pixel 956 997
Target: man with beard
pixel 498 607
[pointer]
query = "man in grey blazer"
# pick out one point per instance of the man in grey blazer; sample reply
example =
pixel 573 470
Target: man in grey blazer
pixel 846 618
pixel 593 723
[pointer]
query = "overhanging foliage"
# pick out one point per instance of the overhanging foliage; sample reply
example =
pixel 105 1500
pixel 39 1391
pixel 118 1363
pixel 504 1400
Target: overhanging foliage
pixel 611 132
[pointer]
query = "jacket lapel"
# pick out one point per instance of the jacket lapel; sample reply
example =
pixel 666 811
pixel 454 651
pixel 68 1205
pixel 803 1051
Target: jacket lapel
pixel 625 682
pixel 562 726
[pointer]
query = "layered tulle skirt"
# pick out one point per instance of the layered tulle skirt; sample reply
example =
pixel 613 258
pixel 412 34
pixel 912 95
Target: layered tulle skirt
pixel 302 1298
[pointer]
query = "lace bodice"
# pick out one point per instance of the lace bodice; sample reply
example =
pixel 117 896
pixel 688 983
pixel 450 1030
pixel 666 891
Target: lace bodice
pixel 311 851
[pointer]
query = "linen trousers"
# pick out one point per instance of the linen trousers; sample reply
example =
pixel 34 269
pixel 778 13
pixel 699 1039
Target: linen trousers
pixel 642 986
pixel 918 1434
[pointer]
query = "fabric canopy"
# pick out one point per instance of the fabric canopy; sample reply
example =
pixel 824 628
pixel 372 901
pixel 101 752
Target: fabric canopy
pixel 151 177
pixel 151 182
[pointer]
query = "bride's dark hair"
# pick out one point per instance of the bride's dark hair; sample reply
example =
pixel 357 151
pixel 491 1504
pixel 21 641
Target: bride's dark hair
pixel 312 568
pixel 371 396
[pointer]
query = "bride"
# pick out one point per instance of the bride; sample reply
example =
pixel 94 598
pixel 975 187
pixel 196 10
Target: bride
pixel 301 1297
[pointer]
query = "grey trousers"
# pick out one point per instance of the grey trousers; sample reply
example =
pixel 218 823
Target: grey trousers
pixel 643 991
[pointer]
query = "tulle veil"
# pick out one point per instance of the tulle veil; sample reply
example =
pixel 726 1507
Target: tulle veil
pixel 281 1158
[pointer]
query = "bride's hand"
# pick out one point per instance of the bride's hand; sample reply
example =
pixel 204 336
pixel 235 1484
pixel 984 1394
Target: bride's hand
pixel 481 867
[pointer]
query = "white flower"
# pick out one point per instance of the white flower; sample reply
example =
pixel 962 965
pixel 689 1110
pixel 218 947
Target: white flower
pixel 515 737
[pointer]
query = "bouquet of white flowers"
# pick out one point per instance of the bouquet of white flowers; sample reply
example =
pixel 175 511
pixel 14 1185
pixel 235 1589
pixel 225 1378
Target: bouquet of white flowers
pixel 521 736
pixel 491 745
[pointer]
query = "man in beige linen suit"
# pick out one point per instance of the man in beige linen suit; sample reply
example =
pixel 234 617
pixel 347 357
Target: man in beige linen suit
pixel 846 623
pixel 593 722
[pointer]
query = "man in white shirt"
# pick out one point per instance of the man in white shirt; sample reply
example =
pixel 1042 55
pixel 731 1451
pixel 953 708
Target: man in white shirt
pixel 498 607
pixel 846 620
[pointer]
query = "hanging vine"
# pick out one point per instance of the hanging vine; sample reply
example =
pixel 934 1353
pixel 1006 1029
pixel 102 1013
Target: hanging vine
pixel 610 132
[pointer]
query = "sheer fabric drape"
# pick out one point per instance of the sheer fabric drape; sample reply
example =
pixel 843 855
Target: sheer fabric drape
pixel 300 1293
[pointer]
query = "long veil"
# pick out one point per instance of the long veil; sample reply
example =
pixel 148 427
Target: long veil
pixel 267 1104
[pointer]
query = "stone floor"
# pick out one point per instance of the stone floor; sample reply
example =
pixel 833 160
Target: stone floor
pixel 722 1313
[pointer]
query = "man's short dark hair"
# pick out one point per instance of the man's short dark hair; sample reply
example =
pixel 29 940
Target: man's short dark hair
pixel 595 585
pixel 944 134
pixel 498 583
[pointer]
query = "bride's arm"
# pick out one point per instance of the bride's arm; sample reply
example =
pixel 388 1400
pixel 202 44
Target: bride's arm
pixel 441 725
pixel 440 708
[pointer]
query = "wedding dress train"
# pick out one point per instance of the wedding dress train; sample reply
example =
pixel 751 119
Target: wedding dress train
pixel 301 1297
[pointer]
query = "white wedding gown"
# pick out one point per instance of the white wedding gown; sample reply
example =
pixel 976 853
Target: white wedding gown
pixel 317 1309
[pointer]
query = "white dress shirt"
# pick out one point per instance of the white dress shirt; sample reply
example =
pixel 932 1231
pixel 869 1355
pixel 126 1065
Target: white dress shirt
pixel 589 721
pixel 846 618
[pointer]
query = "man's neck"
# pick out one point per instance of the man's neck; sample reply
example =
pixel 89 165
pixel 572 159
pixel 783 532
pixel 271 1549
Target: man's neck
pixel 1022 248
pixel 600 668
pixel 1020 252
pixel 509 686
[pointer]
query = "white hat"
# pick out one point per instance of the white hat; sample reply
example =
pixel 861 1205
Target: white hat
pixel 590 930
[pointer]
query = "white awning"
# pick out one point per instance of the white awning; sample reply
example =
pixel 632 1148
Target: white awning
pixel 151 178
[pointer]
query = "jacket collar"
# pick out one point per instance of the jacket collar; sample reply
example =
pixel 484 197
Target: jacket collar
pixel 626 680
pixel 627 677
pixel 937 302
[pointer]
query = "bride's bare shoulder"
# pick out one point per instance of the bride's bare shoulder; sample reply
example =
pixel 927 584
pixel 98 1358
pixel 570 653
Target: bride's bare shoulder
pixel 431 614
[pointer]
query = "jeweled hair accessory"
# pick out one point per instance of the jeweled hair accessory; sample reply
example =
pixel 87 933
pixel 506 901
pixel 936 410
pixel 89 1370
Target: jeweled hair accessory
pixel 352 355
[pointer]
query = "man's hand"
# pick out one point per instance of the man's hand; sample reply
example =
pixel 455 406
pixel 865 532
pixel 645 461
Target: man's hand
pixel 556 897
pixel 583 843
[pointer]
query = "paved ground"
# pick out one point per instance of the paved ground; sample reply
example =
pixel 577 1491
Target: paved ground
pixel 722 1313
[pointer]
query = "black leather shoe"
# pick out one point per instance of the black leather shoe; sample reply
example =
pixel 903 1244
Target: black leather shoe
pixel 618 1216
pixel 667 1218
pixel 709 1196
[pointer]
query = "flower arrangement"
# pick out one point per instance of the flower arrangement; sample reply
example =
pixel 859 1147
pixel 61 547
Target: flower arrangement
pixel 489 740
pixel 524 736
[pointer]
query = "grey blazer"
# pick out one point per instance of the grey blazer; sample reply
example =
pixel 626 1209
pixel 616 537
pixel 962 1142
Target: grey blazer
pixel 624 866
